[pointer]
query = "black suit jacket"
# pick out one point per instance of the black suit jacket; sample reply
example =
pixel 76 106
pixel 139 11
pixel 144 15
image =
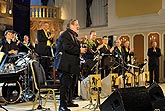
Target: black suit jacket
pixel 154 56
pixel 127 54
pixel 106 58
pixel 118 56
pixel 7 47
pixel 41 47
pixel 67 54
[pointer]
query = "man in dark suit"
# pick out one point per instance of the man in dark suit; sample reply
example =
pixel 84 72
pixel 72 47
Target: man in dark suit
pixel 129 52
pixel 154 53
pixel 67 63
pixel 91 43
pixel 26 46
pixel 43 48
pixel 8 46
pixel 106 58
pixel 119 57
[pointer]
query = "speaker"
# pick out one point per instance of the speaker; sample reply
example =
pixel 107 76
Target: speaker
pixel 155 92
pixel 159 105
pixel 128 99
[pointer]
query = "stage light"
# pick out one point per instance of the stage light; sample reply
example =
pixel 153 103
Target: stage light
pixel 10 11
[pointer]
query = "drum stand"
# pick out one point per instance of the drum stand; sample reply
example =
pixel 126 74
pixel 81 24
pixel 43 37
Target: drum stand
pixel 3 107
pixel 27 94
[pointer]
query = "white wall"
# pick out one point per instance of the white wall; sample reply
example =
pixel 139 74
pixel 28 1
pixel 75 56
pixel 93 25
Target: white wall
pixel 81 12
pixel 145 23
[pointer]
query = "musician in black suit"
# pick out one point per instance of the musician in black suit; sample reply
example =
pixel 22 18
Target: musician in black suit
pixel 43 48
pixel 106 58
pixel 119 57
pixel 8 46
pixel 67 63
pixel 44 39
pixel 91 43
pixel 26 46
pixel 154 53
pixel 129 52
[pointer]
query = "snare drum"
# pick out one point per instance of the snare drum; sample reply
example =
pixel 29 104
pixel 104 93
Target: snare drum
pixel 10 92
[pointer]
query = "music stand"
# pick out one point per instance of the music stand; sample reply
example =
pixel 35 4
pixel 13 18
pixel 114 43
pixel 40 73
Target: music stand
pixel 95 89
pixel 122 65
pixel 89 64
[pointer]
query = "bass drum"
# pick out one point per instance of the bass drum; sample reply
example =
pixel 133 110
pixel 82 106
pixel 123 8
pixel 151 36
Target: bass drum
pixel 10 92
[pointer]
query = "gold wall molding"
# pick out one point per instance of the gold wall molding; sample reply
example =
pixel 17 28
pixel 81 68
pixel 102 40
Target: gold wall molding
pixel 127 8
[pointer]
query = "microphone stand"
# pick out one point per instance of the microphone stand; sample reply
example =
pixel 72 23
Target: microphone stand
pixel 97 58
pixel 121 64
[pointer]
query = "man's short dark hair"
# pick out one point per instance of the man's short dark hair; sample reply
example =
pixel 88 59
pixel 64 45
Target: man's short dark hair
pixel 92 31
pixel 105 37
pixel 8 31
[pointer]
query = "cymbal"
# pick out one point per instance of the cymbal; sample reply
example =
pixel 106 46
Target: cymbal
pixel 22 53
pixel 14 55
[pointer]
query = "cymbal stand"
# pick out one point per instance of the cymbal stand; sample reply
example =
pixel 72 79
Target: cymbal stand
pixel 3 107
pixel 27 94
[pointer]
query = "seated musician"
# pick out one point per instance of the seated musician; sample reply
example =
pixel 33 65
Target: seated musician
pixel 16 37
pixel 8 46
pixel 105 53
pixel 26 46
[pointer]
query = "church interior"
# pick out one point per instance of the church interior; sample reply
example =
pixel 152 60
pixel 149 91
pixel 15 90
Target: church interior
pixel 138 21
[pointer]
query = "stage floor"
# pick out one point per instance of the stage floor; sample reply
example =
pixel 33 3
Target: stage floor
pixel 27 106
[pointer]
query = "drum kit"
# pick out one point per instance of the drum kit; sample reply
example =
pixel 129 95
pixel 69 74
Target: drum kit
pixel 17 90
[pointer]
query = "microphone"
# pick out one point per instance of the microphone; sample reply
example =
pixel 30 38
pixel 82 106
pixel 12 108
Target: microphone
pixel 117 53
pixel 103 54
pixel 144 63
pixel 60 53
pixel 48 33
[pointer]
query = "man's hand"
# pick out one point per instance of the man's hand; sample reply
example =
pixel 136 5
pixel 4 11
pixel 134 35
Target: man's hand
pixel 100 46
pixel 111 49
pixel 51 36
pixel 13 51
pixel 83 50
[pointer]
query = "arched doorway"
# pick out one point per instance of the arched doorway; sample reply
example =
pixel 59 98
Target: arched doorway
pixel 139 48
